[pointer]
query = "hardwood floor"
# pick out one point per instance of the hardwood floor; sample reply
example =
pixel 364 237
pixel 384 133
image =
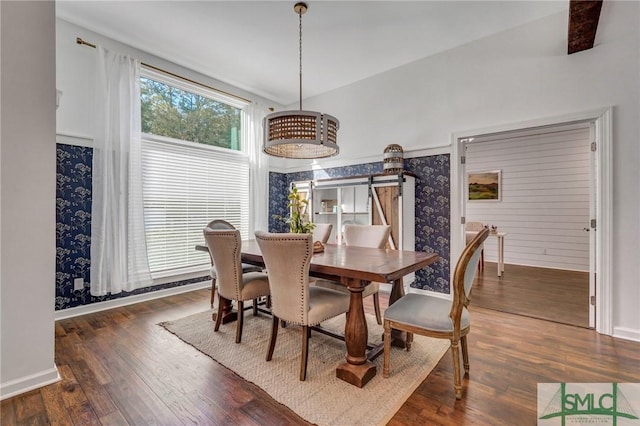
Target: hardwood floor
pixel 119 367
pixel 550 294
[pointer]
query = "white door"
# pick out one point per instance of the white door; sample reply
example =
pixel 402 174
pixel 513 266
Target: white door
pixel 591 227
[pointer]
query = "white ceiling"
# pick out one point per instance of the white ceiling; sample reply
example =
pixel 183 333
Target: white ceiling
pixel 254 45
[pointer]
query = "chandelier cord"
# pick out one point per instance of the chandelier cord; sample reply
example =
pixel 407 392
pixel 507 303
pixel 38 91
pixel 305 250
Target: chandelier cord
pixel 300 58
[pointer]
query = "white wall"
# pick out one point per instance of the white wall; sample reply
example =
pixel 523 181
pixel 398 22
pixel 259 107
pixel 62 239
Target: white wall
pixel 519 75
pixel 544 205
pixel 28 176
pixel 76 78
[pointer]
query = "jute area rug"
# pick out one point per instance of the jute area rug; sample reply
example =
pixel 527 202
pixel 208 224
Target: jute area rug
pixel 322 399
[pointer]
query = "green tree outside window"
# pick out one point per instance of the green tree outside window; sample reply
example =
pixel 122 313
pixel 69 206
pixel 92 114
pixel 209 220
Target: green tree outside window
pixel 176 113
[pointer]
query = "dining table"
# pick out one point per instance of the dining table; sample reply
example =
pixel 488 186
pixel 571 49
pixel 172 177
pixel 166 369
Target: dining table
pixel 355 268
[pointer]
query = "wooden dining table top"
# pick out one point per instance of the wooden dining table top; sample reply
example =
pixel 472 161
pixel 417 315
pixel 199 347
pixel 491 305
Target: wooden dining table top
pixel 368 264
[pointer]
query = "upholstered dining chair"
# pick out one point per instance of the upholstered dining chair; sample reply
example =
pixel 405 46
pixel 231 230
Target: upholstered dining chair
pixel 223 224
pixel 438 317
pixel 287 258
pixel 471 230
pixel 224 247
pixel 322 232
pixel 375 236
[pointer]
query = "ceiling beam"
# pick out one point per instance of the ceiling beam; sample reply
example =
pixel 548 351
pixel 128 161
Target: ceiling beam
pixel 583 23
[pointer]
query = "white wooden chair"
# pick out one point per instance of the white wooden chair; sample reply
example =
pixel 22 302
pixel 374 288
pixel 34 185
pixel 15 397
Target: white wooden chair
pixel 471 230
pixel 322 232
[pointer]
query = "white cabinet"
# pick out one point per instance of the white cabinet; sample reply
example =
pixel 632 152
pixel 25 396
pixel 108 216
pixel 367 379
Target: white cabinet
pixel 340 205
pixel 364 200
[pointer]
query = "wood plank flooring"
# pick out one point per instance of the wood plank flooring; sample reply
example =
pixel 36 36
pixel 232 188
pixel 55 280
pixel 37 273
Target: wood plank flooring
pixel 120 368
pixel 550 294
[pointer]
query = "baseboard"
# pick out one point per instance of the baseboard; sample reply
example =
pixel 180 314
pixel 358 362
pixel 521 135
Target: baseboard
pixel 429 293
pixel 130 300
pixel 408 280
pixel 385 288
pixel 28 383
pixel 626 333
pixel 495 261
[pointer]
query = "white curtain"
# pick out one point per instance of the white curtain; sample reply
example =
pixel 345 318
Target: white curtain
pixel 118 248
pixel 259 181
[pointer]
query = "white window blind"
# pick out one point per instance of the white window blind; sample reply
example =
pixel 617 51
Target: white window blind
pixel 185 186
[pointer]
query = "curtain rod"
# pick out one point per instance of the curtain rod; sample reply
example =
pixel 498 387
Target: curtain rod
pixel 86 43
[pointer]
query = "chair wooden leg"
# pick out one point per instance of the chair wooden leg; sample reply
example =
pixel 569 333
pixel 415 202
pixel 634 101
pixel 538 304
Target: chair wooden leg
pixel 409 341
pixel 376 306
pixel 457 382
pixel 268 305
pixel 240 321
pixel 220 311
pixel 305 352
pixel 274 336
pixel 387 349
pixel 213 291
pixel 255 307
pixel 465 354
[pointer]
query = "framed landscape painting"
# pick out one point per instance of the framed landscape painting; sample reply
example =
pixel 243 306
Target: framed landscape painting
pixel 484 186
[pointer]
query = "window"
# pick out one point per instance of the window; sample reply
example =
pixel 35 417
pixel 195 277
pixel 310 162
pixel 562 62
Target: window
pixel 193 170
pixel 176 113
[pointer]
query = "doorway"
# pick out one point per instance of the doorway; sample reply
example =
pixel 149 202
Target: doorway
pixel 598 205
pixel 533 188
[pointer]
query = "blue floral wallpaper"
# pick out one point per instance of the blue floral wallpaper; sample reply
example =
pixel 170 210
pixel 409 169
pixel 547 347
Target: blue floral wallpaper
pixel 432 218
pixel 73 230
pixel 278 191
pixel 73 222
pixel 432 208
pixel 73 219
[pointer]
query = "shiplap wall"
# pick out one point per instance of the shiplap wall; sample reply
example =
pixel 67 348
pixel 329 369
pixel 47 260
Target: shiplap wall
pixel 545 196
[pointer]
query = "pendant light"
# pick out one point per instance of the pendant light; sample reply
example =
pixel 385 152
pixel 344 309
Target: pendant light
pixel 299 133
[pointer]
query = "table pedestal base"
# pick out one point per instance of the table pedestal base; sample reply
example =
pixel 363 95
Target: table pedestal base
pixel 357 370
pixel 357 375
pixel 228 314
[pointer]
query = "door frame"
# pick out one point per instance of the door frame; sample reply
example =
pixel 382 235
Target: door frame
pixel 602 118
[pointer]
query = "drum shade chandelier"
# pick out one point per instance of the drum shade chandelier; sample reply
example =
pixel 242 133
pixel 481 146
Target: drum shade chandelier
pixel 299 133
